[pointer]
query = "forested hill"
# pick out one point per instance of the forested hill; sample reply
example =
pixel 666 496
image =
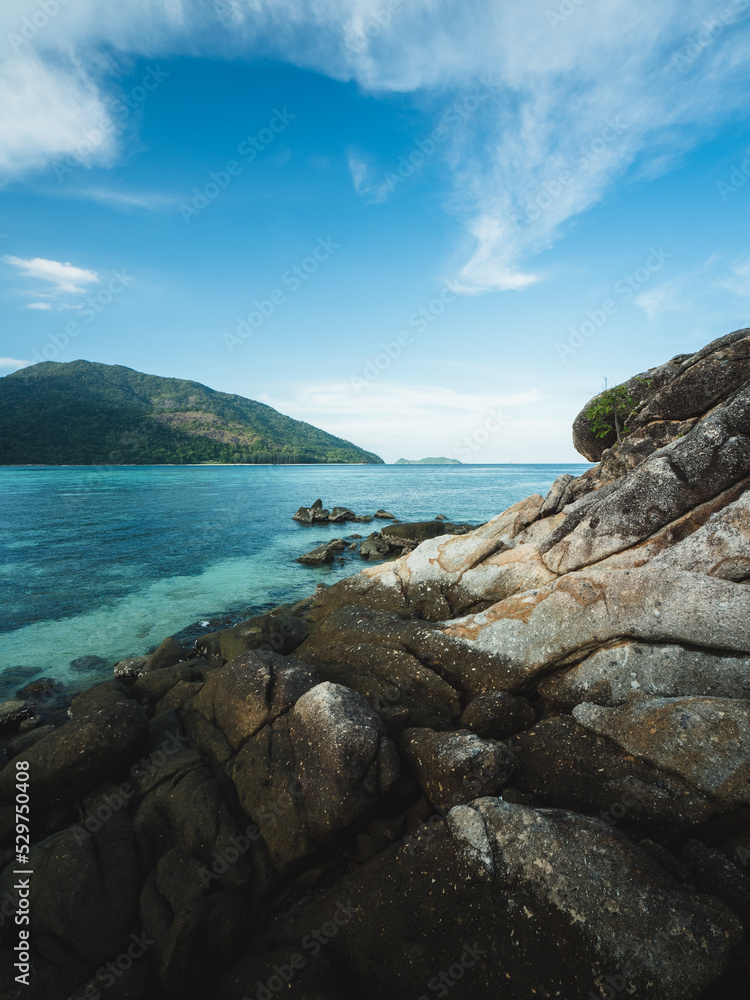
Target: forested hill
pixel 84 413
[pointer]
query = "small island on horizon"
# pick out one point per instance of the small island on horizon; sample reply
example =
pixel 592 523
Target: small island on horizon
pixel 427 461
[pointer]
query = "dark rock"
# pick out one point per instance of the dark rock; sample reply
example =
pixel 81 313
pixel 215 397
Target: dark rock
pixel 89 663
pixel 416 531
pixel 12 713
pixel 167 654
pixel 17 746
pixel 14 677
pixel 384 515
pixel 368 652
pixel 323 553
pixel 129 669
pixel 84 888
pixel 192 928
pixel 314 771
pixel 339 515
pixel 497 715
pixel 156 684
pixel 534 920
pixel 251 691
pixel 276 633
pixel 569 767
pixel 454 768
pixel 719 877
pixel 107 729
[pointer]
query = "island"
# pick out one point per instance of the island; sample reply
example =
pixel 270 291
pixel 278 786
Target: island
pixel 427 461
pixel 85 413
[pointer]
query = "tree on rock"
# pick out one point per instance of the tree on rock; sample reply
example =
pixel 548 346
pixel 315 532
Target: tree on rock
pixel 611 410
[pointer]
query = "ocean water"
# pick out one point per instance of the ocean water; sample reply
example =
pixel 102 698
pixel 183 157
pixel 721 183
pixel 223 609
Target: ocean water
pixel 106 562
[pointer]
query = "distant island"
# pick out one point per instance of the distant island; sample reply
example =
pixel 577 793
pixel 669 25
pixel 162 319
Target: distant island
pixel 84 413
pixel 427 461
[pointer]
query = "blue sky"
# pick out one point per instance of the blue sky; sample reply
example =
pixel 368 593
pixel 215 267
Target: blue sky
pixel 430 227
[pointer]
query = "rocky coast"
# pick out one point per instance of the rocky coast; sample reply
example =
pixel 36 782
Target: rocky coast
pixel 512 762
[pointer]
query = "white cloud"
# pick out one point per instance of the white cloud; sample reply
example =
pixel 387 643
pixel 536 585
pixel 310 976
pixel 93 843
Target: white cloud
pixel 738 280
pixel 13 363
pixel 50 111
pixel 651 67
pixel 412 421
pixel 39 305
pixel 62 277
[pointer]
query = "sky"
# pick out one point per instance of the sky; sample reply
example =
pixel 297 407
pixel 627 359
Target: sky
pixel 432 227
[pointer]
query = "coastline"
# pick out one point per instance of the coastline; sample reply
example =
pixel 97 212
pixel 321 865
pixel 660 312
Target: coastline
pixel 540 726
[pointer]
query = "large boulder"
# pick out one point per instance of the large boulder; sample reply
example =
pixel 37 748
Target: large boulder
pixel 567 765
pixel 680 391
pixel 314 771
pixel 550 904
pixel 673 480
pixel 705 741
pixel 83 898
pixel 523 637
pixel 370 652
pixel 614 675
pixel 251 691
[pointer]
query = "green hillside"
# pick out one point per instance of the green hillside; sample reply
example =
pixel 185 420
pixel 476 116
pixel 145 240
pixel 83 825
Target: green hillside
pixel 83 413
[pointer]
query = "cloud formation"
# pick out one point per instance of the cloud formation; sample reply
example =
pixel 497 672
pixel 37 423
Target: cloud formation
pixel 586 91
pixel 61 277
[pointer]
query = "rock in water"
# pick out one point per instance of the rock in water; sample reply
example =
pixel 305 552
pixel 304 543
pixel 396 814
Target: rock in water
pixel 568 687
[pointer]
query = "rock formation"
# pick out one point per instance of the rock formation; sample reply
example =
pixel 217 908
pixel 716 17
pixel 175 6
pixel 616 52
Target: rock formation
pixel 513 762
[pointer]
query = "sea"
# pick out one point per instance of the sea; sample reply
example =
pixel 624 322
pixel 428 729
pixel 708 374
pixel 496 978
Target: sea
pixel 101 563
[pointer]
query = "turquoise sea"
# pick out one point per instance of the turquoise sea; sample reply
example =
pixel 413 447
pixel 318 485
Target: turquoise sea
pixel 106 562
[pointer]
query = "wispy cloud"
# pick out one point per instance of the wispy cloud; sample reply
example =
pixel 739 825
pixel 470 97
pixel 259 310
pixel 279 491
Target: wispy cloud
pixel 151 201
pixel 39 305
pixel 577 105
pixel 436 417
pixel 62 277
pixel 738 280
pixel 13 363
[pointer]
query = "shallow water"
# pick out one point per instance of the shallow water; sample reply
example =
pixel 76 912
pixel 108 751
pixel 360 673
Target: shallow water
pixel 106 562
